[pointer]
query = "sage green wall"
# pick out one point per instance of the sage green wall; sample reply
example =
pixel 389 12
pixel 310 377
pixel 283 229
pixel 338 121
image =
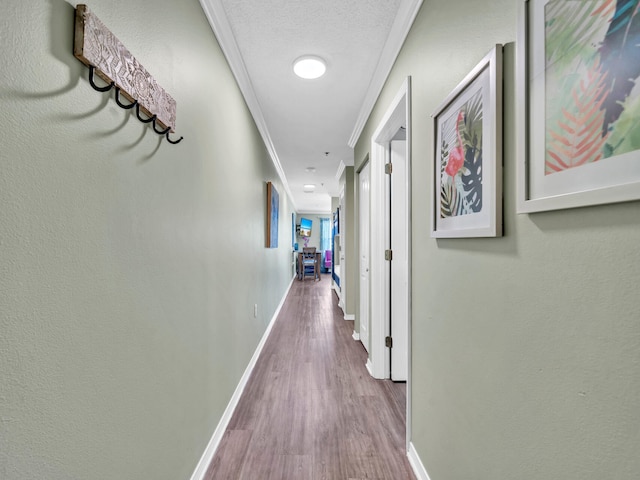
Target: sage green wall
pixel 526 360
pixel 129 267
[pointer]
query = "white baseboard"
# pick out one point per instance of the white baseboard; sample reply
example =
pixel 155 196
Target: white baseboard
pixel 416 463
pixel 212 446
pixel 356 336
pixel 350 316
pixel 369 366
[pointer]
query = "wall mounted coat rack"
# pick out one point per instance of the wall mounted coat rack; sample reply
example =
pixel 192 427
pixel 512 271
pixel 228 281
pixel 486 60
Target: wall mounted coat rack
pixel 100 50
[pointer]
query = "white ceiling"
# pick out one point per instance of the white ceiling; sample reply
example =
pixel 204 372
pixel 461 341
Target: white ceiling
pixel 301 120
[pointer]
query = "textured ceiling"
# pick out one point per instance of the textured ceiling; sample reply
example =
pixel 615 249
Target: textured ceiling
pixel 300 119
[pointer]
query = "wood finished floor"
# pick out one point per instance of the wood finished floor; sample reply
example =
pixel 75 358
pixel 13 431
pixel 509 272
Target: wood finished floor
pixel 310 410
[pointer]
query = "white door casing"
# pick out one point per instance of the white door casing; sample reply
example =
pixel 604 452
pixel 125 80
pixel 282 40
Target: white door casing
pixel 363 203
pixel 397 115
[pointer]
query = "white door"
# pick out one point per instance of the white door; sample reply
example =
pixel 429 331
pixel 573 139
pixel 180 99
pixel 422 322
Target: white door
pixel 364 187
pixel 342 219
pixel 399 318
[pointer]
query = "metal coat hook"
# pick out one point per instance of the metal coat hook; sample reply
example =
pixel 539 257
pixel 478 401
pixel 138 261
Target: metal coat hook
pixel 172 141
pixel 144 120
pixel 153 120
pixel 127 106
pixel 123 105
pixel 160 132
pixel 93 83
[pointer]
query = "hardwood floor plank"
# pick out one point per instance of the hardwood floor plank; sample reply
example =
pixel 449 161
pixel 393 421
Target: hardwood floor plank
pixel 232 450
pixel 297 466
pixel 310 409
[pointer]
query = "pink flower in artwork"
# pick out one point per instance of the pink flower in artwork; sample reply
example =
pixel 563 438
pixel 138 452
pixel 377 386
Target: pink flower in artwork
pixel 456 155
pixel 456 160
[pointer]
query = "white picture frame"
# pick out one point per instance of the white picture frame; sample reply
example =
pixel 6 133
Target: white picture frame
pixel 546 80
pixel 467 159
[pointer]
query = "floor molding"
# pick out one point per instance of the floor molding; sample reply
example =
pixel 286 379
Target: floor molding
pixel 416 463
pixel 350 316
pixel 369 366
pixel 356 336
pixel 207 456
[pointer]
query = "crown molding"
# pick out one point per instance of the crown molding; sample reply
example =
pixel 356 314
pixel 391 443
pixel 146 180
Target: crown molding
pixel 399 31
pixel 219 23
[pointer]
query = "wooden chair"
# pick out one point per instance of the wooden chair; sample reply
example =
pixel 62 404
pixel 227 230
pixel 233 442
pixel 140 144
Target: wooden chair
pixel 309 265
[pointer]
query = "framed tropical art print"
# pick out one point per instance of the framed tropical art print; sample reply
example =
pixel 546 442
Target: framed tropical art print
pixel 467 166
pixel 578 63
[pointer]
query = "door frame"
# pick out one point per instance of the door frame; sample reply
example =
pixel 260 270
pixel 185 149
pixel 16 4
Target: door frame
pixel 364 337
pixel 398 115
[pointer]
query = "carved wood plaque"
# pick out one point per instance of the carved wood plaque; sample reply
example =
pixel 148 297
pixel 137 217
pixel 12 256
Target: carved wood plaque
pixel 95 45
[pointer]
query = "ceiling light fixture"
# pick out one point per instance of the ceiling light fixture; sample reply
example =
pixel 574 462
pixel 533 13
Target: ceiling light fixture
pixel 309 67
pixel 309 188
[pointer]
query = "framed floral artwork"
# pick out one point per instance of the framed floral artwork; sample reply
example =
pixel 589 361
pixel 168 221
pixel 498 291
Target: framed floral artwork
pixel 467 166
pixel 578 62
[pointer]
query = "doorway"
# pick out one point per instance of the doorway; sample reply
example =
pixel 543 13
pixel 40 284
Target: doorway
pixel 390 245
pixel 364 187
pixel 390 197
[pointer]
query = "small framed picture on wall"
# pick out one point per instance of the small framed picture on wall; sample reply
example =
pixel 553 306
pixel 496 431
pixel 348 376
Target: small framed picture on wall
pixel 467 161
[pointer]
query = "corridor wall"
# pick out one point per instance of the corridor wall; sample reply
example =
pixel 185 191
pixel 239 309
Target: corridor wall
pixel 524 348
pixel 129 267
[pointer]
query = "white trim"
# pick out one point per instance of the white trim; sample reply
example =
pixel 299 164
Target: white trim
pixel 416 464
pixel 397 114
pixel 219 23
pixel 341 305
pixel 369 366
pixel 409 213
pixel 350 316
pixel 363 242
pixel 356 336
pixel 400 29
pixel 214 442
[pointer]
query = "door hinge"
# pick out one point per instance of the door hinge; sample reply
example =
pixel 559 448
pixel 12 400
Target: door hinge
pixel 388 255
pixel 388 168
pixel 388 342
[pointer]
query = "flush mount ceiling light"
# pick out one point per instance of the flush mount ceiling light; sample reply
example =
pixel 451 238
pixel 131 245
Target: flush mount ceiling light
pixel 309 67
pixel 308 188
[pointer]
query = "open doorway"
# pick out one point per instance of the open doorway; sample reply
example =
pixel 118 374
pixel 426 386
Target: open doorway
pixel 390 245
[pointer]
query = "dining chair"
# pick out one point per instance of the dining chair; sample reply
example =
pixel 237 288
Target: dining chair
pixel 309 264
